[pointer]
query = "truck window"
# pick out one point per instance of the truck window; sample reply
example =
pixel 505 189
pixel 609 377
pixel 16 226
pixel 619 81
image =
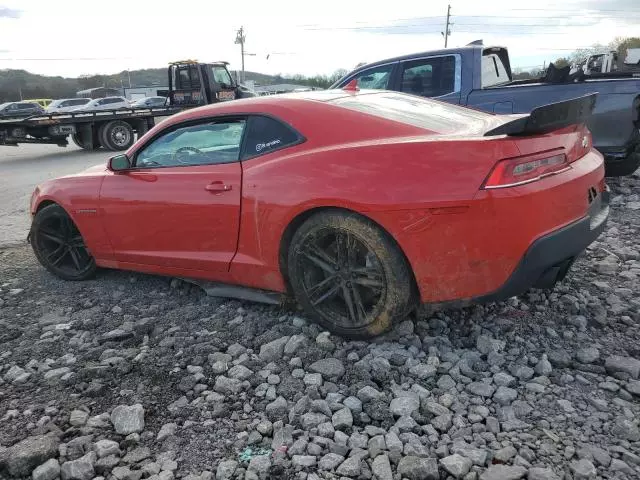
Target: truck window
pixel 493 71
pixel 376 78
pixel 221 75
pixel 429 77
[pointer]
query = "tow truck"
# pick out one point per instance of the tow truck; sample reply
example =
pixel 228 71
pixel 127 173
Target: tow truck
pixel 191 84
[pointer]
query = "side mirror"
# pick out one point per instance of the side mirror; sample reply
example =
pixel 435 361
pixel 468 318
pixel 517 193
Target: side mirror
pixel 119 163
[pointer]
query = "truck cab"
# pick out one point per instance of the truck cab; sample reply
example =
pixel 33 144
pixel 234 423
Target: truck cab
pixel 192 83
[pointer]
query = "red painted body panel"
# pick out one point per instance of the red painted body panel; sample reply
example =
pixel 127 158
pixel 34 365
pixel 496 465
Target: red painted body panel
pixel 422 187
pixel 165 216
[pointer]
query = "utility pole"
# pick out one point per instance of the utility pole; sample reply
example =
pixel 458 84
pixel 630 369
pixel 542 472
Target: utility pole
pixel 240 38
pixel 447 32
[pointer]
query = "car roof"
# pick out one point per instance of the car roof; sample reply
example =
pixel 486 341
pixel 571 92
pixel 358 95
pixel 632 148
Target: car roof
pixel 267 104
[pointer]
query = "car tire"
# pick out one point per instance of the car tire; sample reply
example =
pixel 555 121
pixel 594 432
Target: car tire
pixel 349 275
pixel 59 246
pixel 116 135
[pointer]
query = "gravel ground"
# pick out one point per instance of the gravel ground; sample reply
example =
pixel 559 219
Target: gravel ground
pixel 132 376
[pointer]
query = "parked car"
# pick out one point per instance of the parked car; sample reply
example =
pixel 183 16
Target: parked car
pixel 66 104
pixel 480 77
pixel 19 109
pixel 43 102
pixel 106 103
pixel 358 205
pixel 149 102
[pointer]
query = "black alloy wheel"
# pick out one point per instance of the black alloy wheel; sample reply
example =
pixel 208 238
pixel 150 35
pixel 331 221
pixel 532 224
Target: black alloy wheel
pixel 349 275
pixel 59 246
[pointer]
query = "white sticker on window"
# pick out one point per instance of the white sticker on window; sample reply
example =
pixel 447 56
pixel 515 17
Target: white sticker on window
pixel 262 146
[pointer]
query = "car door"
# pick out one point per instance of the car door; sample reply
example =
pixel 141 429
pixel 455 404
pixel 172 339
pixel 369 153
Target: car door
pixel 433 77
pixel 179 204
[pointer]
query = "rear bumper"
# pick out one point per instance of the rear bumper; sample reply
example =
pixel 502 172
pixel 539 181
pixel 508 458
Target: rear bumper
pixel 549 258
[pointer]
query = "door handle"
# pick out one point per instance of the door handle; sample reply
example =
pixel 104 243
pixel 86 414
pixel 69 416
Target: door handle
pixel 217 187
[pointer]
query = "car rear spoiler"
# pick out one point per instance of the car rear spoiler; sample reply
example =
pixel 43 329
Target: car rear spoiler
pixel 549 117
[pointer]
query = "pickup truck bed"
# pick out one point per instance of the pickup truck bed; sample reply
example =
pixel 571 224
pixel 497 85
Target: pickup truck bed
pixel 614 123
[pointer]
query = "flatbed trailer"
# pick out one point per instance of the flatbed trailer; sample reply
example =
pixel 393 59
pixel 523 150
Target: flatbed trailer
pixel 110 129
pixel 191 84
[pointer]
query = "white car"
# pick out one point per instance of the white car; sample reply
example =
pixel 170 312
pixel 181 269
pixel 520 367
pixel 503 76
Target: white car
pixel 106 103
pixel 149 102
pixel 66 104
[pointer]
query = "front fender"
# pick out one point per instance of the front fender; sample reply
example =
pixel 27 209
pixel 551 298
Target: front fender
pixel 79 196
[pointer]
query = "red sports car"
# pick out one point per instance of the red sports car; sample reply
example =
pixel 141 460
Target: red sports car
pixel 359 204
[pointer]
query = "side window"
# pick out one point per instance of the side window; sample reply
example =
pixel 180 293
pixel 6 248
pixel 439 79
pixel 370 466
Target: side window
pixel 429 77
pixel 221 75
pixel 266 134
pixel 76 102
pixel 202 144
pixel 375 78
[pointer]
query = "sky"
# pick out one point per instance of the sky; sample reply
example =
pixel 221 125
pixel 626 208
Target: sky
pixel 80 37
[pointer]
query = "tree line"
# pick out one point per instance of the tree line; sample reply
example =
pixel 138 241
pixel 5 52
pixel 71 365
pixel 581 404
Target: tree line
pixel 20 84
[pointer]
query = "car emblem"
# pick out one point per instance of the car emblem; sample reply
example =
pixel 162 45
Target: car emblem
pixel 585 142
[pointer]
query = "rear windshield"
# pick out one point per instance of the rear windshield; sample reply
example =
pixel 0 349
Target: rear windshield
pixel 417 111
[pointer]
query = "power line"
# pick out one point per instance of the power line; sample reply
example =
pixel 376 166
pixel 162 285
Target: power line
pixel 68 59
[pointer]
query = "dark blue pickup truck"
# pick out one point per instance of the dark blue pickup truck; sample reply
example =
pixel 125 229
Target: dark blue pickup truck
pixel 480 77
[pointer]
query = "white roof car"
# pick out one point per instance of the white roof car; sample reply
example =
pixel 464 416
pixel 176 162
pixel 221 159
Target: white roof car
pixel 106 103
pixel 66 104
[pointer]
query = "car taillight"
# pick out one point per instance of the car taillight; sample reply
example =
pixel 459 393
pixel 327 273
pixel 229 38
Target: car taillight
pixel 521 170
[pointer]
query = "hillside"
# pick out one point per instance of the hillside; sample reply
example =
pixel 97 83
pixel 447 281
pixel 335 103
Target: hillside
pixel 14 83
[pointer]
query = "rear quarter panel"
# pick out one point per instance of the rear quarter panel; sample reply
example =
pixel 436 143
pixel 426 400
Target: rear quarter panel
pixel 408 188
pixel 612 122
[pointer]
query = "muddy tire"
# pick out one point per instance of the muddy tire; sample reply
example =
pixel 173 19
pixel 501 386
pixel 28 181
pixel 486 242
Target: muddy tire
pixel 116 135
pixel 349 275
pixel 59 246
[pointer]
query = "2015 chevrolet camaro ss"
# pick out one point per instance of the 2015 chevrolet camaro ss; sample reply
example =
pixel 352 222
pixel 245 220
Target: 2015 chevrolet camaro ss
pixel 360 204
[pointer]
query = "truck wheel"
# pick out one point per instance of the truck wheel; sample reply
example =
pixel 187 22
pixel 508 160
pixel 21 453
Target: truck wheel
pixel 85 143
pixel 116 135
